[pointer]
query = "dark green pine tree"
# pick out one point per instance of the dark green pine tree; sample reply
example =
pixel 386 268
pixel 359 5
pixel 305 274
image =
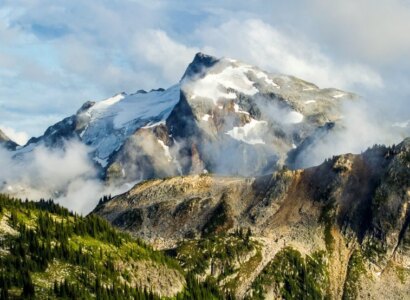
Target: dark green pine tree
pixel 28 286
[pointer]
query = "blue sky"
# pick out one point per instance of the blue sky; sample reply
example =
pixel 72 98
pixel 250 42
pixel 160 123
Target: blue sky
pixel 55 55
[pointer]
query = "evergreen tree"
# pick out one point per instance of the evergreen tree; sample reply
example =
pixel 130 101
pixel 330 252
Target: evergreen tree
pixel 28 286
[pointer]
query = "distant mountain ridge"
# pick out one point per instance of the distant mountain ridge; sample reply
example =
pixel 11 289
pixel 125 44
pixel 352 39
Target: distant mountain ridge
pixel 224 116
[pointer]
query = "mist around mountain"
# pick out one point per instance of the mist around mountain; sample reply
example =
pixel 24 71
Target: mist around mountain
pixel 224 117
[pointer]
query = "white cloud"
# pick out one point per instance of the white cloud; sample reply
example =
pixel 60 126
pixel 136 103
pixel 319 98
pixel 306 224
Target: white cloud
pixel 20 137
pixel 169 56
pixel 372 30
pixel 67 175
pixel 267 47
pixel 356 132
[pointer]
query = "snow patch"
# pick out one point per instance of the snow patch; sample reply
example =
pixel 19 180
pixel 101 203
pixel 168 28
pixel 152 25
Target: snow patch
pixel 214 85
pixel 262 75
pixel 146 106
pixel 250 133
pixel 166 150
pixel 293 117
pixel 237 110
pixel 206 117
pixel 110 122
pixel 310 88
pixel 125 109
pixel 231 95
pixel 340 95
pixel 310 101
pixel 169 157
pixel 153 124
pixel 103 162
pixel 103 105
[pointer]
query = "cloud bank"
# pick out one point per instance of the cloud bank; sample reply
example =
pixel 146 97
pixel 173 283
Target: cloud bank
pixel 68 176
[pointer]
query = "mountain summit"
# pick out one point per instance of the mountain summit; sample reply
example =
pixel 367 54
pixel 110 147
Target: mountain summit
pixel 224 116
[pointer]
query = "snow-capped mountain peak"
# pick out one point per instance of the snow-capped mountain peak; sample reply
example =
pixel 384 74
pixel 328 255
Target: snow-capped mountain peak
pixel 223 116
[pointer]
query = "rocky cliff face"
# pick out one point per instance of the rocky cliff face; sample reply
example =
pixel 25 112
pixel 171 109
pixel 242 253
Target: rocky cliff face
pixel 340 229
pixel 224 116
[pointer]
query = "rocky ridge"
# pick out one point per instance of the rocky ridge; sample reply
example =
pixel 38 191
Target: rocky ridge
pixel 346 220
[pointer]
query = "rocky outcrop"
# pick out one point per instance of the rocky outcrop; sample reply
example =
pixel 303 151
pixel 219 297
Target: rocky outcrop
pixel 353 208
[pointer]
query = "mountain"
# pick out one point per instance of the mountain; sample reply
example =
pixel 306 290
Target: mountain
pixel 339 230
pixel 6 142
pixel 223 198
pixel 46 252
pixel 224 116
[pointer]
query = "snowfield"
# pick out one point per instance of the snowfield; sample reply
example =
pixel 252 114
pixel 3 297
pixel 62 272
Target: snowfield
pixel 251 133
pixel 112 120
pixel 215 84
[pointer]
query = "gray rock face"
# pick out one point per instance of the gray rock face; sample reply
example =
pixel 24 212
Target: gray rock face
pixel 365 191
pixel 245 121
pixel 224 117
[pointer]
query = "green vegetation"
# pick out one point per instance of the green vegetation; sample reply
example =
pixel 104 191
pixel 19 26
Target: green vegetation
pixel 402 273
pixel 405 157
pixel 47 252
pixel 244 272
pixel 198 255
pixel 207 290
pixel 373 249
pixel 294 277
pixel 103 200
pixel 220 220
pixel 218 256
pixel 355 269
pixel 327 217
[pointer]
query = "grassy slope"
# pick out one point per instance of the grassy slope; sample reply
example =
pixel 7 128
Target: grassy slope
pixel 47 252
